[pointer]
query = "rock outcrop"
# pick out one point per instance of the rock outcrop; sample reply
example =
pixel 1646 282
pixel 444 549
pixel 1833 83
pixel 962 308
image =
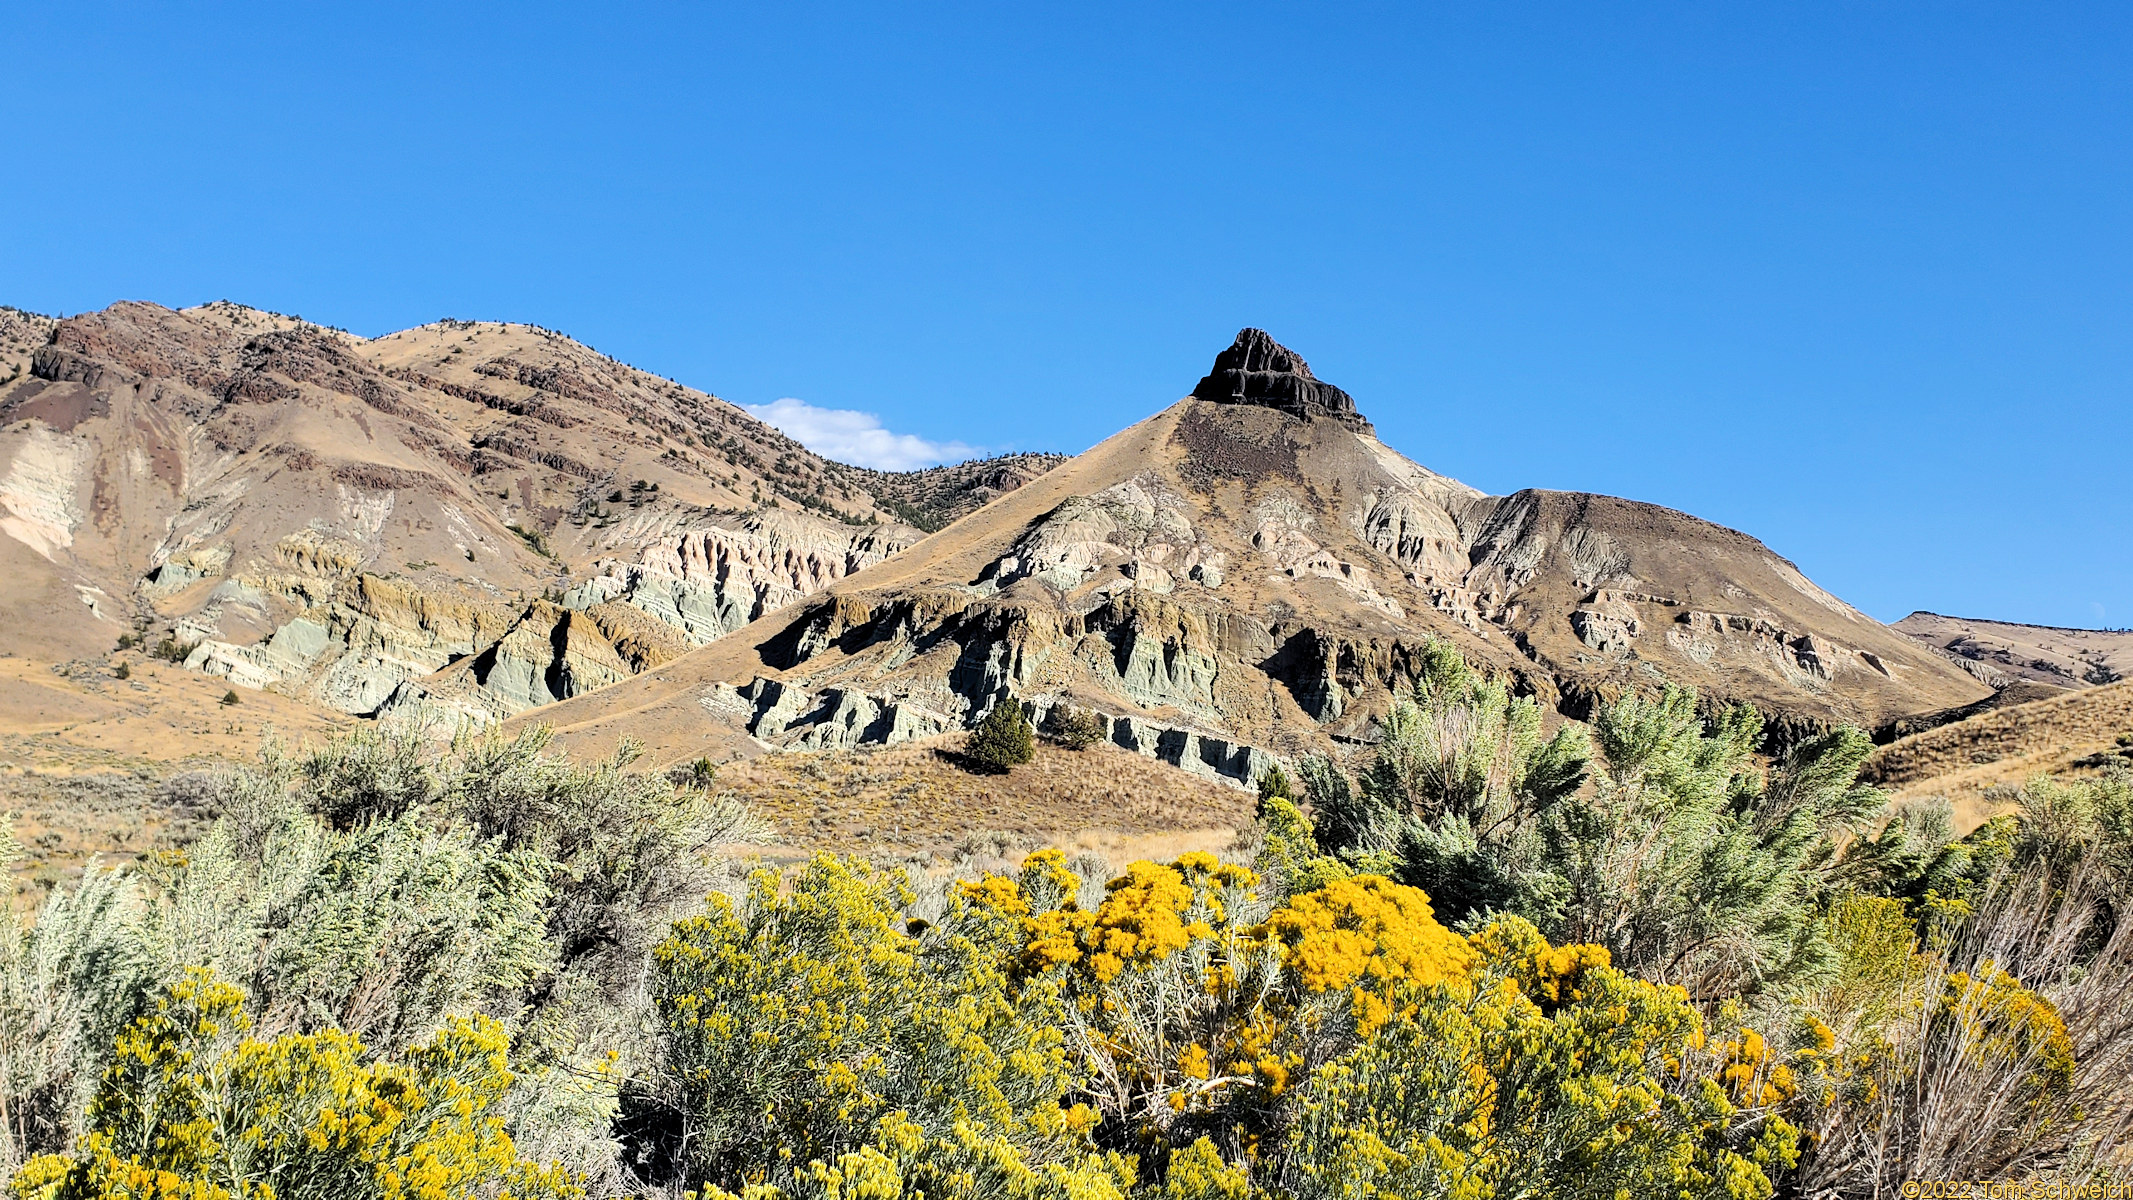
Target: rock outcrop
pixel 1258 370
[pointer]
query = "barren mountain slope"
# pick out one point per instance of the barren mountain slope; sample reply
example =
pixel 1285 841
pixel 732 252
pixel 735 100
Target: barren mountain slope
pixel 2001 652
pixel 473 515
pixel 1252 573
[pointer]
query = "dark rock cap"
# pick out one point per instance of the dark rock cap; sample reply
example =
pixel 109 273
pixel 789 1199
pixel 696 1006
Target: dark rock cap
pixel 1260 371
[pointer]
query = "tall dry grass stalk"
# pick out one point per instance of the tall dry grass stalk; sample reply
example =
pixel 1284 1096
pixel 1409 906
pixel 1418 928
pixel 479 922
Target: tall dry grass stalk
pixel 1960 1093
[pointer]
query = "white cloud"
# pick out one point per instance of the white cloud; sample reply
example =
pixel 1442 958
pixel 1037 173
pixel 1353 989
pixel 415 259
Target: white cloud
pixel 856 437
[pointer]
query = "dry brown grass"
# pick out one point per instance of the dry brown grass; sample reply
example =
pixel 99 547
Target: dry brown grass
pixel 913 801
pixel 84 755
pixel 1971 760
pixel 86 760
pixel 80 716
pixel 64 821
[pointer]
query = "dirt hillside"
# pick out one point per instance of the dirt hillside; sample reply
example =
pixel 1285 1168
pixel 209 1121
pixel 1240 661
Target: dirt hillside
pixel 2001 653
pixel 1968 759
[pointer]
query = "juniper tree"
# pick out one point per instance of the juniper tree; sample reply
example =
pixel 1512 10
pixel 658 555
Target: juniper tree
pixel 1076 728
pixel 1002 740
pixel 1691 864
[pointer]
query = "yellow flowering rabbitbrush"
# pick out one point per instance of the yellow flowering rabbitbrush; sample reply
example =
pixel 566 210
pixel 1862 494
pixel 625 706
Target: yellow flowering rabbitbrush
pixel 813 1020
pixel 1543 1072
pixel 191 1108
pixel 1196 1003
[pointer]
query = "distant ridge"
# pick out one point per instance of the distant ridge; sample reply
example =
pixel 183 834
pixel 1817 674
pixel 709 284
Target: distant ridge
pixel 2004 653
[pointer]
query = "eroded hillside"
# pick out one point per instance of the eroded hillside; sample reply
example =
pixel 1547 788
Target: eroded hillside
pixel 473 516
pixel 2003 653
pixel 1251 574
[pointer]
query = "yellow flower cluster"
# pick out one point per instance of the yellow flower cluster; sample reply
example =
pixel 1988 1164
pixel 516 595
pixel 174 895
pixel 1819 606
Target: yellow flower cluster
pixel 1190 998
pixel 1363 929
pixel 1754 1076
pixel 182 1113
pixel 1257 1050
pixel 1543 972
pixel 1367 927
pixel 903 1161
pixel 1142 920
pixel 1467 1085
pixel 1148 914
pixel 813 1013
pixel 1999 1017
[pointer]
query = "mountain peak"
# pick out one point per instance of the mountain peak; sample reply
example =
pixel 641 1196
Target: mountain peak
pixel 1259 371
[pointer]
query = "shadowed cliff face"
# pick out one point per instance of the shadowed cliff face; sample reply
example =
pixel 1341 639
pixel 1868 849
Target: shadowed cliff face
pixel 473 515
pixel 1252 574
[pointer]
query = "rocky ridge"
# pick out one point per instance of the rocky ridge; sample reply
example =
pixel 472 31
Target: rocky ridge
pixel 1258 370
pixel 1250 575
pixel 2003 653
pixel 475 516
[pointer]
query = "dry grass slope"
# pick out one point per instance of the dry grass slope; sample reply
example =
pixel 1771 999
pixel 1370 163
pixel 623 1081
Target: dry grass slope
pixel 1968 760
pixel 911 801
pixel 85 757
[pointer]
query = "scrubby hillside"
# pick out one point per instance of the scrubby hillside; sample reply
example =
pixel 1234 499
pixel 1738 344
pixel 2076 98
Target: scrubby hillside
pixel 2003 653
pixel 936 496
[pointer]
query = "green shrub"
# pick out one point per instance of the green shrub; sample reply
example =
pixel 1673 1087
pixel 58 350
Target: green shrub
pixel 382 886
pixel 701 773
pixel 1002 740
pixel 1076 728
pixel 532 537
pixel 1687 859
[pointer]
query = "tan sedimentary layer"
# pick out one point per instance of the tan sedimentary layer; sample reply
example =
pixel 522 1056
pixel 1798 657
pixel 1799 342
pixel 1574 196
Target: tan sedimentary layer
pixel 362 523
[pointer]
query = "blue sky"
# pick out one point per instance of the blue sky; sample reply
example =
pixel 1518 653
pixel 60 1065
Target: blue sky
pixel 1857 279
